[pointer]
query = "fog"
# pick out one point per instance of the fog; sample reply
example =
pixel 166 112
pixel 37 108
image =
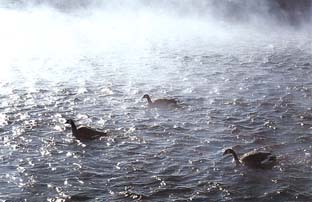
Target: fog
pixel 233 10
pixel 65 30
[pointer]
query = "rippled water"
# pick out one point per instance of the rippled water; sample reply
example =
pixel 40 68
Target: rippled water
pixel 247 92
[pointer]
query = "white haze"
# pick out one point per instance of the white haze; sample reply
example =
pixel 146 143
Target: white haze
pixel 34 35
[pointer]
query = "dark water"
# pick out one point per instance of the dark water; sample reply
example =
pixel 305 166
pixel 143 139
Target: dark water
pixel 240 87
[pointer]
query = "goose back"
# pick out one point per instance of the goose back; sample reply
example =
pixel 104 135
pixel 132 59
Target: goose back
pixel 254 159
pixel 86 133
pixel 258 159
pixel 161 102
pixel 165 101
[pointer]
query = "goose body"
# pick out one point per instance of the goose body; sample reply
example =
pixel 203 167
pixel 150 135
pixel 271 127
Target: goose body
pixel 254 159
pixel 160 102
pixel 84 133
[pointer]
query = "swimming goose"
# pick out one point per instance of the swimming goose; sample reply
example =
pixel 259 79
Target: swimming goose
pixel 84 133
pixel 160 102
pixel 254 159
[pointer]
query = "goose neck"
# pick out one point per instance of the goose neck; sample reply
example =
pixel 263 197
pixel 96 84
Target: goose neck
pixel 149 100
pixel 235 157
pixel 74 128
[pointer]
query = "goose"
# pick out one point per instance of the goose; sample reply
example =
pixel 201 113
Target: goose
pixel 84 133
pixel 160 102
pixel 254 159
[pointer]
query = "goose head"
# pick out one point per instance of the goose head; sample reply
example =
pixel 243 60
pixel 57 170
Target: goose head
pixel 69 121
pixel 228 151
pixel 146 96
pixel 231 151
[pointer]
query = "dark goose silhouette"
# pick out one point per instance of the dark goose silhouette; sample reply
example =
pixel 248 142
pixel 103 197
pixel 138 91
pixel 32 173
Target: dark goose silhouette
pixel 84 133
pixel 254 159
pixel 160 102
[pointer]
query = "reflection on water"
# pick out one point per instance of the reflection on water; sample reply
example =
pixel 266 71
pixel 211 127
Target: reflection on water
pixel 245 93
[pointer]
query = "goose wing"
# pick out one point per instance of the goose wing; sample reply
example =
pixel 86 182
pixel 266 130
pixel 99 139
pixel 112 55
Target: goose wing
pixel 165 102
pixel 89 133
pixel 258 159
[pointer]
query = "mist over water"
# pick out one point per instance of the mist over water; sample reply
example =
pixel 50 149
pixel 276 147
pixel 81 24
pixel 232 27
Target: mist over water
pixel 241 69
pixel 54 29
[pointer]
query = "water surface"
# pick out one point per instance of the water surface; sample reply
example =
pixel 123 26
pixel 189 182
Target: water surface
pixel 245 88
